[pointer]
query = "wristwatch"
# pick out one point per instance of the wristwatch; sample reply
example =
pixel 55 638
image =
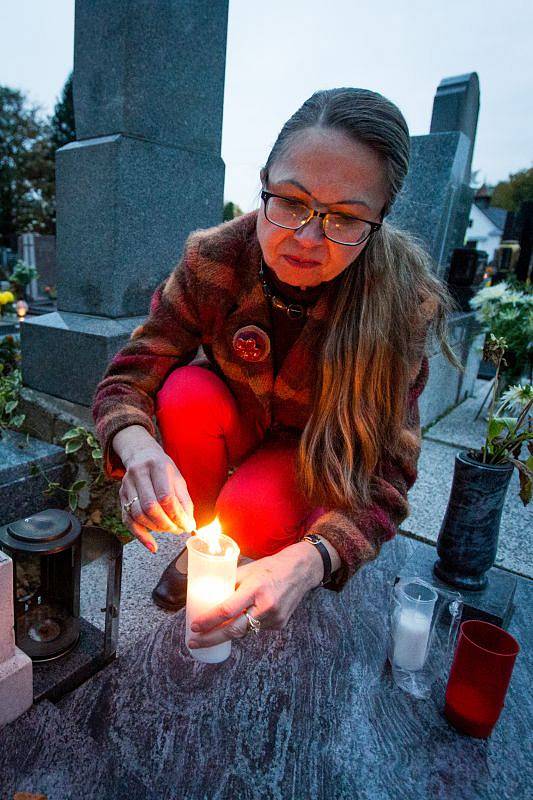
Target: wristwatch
pixel 322 549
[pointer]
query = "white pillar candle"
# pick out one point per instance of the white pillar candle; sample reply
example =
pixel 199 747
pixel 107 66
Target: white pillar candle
pixel 211 577
pixel 411 636
pixel 415 602
pixel 203 594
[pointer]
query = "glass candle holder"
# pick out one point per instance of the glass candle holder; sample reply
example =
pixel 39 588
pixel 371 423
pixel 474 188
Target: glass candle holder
pixel 211 579
pixel 479 676
pixel 411 624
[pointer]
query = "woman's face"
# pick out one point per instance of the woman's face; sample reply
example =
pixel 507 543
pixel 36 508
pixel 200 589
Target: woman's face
pixel 322 168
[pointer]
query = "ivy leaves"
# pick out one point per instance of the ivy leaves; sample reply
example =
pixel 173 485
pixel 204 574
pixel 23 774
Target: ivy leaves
pixel 74 440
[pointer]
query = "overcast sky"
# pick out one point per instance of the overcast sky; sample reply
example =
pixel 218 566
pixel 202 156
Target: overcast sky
pixel 280 51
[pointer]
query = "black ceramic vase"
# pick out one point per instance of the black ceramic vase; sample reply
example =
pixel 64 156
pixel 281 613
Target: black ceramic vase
pixel 468 538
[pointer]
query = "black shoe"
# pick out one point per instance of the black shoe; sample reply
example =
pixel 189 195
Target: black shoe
pixel 171 591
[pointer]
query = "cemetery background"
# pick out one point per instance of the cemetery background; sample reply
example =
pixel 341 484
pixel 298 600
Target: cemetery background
pixel 124 128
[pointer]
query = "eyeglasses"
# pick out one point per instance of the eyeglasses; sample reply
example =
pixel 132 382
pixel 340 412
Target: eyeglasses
pixel 337 227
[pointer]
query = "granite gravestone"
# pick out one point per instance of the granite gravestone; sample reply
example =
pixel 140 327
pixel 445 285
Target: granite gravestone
pixel 436 198
pixel 145 171
pixel 21 491
pixel 435 206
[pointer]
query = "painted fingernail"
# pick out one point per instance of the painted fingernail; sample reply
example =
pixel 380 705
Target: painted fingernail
pixel 195 628
pixel 152 547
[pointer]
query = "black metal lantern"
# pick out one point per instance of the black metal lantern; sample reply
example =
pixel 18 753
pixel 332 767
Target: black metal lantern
pixel 46 553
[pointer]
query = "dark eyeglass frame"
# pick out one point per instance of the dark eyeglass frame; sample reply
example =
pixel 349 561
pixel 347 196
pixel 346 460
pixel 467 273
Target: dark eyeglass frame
pixel 374 226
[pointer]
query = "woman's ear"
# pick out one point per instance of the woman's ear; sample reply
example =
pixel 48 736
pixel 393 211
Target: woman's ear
pixel 263 177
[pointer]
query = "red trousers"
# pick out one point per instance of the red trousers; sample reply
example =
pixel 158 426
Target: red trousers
pixel 259 505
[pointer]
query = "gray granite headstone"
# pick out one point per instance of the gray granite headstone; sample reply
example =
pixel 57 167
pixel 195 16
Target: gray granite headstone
pixel 144 172
pixel 436 199
pixel 21 493
pixel 434 205
pixel 456 108
pixel 158 74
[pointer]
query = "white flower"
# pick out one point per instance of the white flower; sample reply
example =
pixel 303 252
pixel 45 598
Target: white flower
pixel 515 398
pixel 489 293
pixel 514 297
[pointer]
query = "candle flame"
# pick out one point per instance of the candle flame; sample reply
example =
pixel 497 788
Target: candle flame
pixel 21 308
pixel 210 534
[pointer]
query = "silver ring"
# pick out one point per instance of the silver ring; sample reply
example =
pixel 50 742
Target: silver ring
pixel 126 507
pixel 254 624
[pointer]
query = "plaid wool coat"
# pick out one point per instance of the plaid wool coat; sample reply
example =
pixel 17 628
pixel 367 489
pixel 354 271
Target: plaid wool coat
pixel 213 292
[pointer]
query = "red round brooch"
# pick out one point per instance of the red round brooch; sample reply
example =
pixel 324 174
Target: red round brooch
pixel 251 343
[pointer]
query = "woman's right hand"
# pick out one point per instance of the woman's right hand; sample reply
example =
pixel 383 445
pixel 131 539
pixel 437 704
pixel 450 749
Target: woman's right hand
pixel 163 503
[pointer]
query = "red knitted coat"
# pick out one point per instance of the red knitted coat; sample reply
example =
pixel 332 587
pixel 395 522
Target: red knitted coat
pixel 213 292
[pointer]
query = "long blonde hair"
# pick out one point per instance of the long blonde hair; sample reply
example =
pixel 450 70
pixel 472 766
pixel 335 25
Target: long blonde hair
pixel 387 299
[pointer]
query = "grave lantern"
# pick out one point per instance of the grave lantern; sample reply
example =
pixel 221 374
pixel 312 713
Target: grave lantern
pixel 46 553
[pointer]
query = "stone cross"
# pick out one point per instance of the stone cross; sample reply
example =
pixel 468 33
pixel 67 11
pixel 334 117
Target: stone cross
pixel 16 675
pixel 144 172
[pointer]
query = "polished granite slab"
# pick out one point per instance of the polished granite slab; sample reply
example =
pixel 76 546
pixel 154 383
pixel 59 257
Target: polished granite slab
pixel 306 712
pixel 43 752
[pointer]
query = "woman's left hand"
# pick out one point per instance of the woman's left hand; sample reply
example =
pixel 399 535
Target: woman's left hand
pixel 269 589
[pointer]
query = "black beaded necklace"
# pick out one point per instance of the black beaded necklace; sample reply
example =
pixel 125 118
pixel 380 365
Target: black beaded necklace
pixel 293 310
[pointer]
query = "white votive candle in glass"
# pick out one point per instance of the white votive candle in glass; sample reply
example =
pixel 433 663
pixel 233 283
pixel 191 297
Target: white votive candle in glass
pixel 412 625
pixel 211 578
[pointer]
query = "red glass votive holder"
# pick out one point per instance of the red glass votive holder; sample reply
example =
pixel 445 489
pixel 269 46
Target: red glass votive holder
pixel 481 670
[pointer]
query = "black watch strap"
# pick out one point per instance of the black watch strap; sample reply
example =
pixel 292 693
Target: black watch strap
pixel 322 549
